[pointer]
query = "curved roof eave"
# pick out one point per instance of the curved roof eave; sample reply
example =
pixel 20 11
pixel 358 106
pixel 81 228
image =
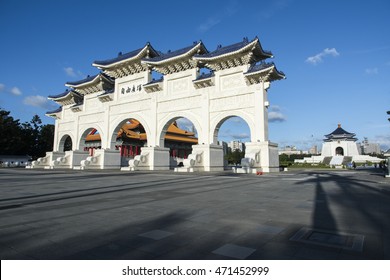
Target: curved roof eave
pixel 101 65
pixel 88 80
pixel 267 68
pixel 174 57
pixel 60 96
pixel 234 52
pixel 55 111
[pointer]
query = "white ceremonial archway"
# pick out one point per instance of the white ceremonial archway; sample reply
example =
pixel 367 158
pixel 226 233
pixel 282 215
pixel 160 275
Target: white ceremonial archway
pixel 235 83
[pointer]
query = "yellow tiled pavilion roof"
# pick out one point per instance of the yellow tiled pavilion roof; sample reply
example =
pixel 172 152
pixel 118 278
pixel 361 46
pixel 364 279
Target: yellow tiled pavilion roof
pixel 174 133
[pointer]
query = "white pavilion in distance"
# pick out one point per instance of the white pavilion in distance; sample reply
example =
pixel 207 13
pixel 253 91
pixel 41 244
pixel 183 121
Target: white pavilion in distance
pixel 339 148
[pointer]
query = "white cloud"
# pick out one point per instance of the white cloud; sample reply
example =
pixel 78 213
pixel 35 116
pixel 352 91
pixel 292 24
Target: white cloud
pixel 16 91
pixel 186 124
pixel 371 71
pixel 275 114
pixel 276 117
pixel 270 8
pixel 70 72
pixel 228 135
pixel 38 101
pixel 383 140
pixel 2 87
pixel 240 136
pixel 217 18
pixel 319 57
pixel 208 24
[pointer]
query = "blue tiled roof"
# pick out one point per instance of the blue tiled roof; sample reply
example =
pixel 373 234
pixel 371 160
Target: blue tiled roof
pixel 125 56
pixel 88 79
pixel 340 132
pixel 232 48
pixel 170 54
pixel 261 66
pixel 65 93
pixel 54 111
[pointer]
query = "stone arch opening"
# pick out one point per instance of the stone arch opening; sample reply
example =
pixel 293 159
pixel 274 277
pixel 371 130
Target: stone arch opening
pixel 65 144
pixel 216 124
pixel 90 140
pixel 232 132
pixel 178 134
pixel 128 137
pixel 339 151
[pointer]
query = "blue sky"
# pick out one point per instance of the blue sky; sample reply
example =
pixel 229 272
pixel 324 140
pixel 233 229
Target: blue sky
pixel 335 54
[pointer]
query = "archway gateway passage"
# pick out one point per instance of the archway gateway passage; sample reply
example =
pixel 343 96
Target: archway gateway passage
pixel 339 151
pixel 236 84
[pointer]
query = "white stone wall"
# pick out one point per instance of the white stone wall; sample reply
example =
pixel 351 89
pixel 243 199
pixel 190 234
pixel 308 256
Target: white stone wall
pixel 329 148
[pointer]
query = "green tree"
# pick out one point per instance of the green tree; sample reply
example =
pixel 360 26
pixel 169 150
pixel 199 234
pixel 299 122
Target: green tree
pixel 45 139
pixel 234 157
pixel 30 133
pixel 10 131
pixel 30 138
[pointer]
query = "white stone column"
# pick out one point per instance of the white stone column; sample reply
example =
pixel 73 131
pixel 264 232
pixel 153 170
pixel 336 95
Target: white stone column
pixel 56 140
pixel 261 113
pixel 261 155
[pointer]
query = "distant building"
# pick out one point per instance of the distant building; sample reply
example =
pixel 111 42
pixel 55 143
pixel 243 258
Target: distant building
pixel 236 145
pixel 340 143
pixel 367 148
pixel 313 150
pixel 339 148
pixel 290 150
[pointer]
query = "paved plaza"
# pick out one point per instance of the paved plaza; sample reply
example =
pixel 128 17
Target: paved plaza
pixel 300 214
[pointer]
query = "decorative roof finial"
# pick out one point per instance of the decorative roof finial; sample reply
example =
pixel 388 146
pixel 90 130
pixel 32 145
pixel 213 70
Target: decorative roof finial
pixel 339 125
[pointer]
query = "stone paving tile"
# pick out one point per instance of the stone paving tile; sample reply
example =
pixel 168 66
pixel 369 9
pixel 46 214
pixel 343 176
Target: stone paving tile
pixel 253 239
pixel 269 229
pixel 234 251
pixel 156 234
pixel 262 214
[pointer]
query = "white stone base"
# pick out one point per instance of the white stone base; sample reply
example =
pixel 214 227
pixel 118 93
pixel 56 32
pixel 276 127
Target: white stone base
pixel 45 162
pixel 365 158
pixel 151 158
pixel 261 157
pixel 203 158
pixel 102 159
pixel 186 169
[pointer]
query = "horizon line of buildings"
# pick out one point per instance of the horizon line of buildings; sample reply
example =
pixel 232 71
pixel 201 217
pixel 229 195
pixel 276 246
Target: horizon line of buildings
pixel 364 148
